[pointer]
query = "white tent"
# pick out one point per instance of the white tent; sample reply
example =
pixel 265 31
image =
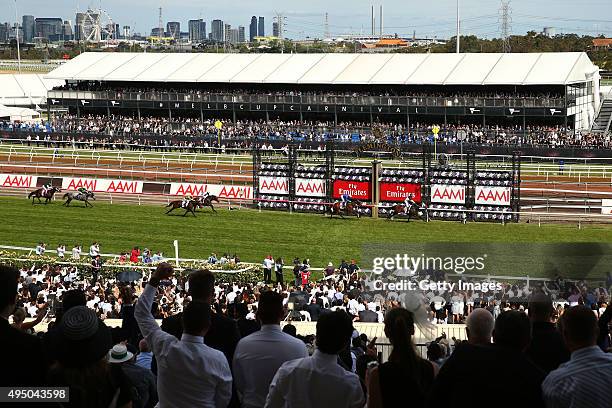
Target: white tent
pixel 326 69
pixel 25 89
pixel 15 114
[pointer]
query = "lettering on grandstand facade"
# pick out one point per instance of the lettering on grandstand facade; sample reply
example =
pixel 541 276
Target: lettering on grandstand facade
pixel 493 195
pixel 397 192
pixel 103 185
pixel 447 194
pixel 18 181
pixel 360 190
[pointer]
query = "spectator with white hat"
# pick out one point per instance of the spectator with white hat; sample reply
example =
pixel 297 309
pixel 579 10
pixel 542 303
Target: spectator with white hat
pixel 143 381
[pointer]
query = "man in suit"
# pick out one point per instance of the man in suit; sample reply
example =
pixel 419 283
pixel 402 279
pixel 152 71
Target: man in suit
pixel 367 315
pixel 314 309
pixel 517 380
pixel 22 355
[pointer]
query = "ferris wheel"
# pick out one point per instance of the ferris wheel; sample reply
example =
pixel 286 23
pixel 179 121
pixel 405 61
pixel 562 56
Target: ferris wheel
pixel 97 26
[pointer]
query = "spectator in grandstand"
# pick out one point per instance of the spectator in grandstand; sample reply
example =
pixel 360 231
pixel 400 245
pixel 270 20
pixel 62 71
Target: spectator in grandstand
pixel 319 381
pixel 142 380
pixel 404 371
pixel 546 348
pixel 604 339
pixel 586 379
pixel 517 380
pixel 259 355
pixel 145 355
pixel 190 373
pixel 26 368
pixel 479 327
pixel 83 366
pixel 19 317
pixel 329 269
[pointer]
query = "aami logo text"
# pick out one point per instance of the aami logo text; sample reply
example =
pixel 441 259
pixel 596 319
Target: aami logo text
pixel 123 187
pixel 274 185
pixel 235 192
pixel 17 181
pixel 448 194
pixel 310 187
pixel 192 189
pixel 89 184
pixel 493 195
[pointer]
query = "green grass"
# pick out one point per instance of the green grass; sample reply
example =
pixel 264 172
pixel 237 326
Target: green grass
pixel 253 235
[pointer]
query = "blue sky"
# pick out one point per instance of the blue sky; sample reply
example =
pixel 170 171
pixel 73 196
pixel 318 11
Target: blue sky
pixel 306 17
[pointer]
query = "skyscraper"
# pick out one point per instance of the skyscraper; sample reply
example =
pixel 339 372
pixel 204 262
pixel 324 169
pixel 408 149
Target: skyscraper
pixel 253 29
pixel 28 28
pixel 275 30
pixel 48 27
pixel 261 29
pixel 79 32
pixel 174 29
pixel 5 28
pixel 233 36
pixel 241 34
pixel 217 30
pixel 67 34
pixel 226 32
pixel 197 30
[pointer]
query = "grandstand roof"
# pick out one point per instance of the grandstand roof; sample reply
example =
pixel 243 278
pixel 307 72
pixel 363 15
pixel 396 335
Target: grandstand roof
pixel 25 89
pixel 327 69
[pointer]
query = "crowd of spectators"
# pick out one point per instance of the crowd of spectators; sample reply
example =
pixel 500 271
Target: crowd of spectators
pixel 224 346
pixel 126 132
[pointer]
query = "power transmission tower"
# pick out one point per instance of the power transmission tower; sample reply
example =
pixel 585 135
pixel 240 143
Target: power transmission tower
pixel 161 26
pixel 505 24
pixel 327 34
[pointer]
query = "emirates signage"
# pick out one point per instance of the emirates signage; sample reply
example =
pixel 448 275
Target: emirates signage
pixel 310 187
pixel 274 185
pixel 447 194
pixel 493 195
pixel 219 190
pixel 399 192
pixel 359 190
pixel 17 180
pixel 103 185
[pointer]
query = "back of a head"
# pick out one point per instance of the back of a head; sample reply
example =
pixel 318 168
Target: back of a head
pixel 8 286
pixel 512 330
pixel 290 330
pixel 399 326
pixel 270 308
pixel 72 298
pixel 540 307
pixel 143 346
pixel 479 326
pixel 579 327
pixel 196 318
pixel 334 332
pixel 201 285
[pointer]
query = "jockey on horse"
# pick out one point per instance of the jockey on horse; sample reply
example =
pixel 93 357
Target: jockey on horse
pixel 186 201
pixel 409 203
pixel 345 199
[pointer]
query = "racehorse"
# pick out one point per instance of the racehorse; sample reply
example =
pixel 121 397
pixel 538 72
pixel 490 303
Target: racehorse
pixel 351 208
pixel 192 205
pixel 207 201
pixel 47 196
pixel 79 197
pixel 400 209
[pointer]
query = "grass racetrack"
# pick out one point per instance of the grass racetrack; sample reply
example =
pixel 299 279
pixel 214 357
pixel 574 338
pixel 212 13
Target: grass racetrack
pixel 251 234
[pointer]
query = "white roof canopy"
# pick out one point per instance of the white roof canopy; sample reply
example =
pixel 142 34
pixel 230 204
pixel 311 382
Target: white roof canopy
pixel 327 69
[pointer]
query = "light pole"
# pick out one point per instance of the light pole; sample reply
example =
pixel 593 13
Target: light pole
pixel 458 28
pixel 17 38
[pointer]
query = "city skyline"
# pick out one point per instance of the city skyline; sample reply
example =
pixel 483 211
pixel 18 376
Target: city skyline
pixel 307 20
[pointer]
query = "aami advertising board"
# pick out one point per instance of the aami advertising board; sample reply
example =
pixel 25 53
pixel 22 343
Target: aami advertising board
pixel 447 194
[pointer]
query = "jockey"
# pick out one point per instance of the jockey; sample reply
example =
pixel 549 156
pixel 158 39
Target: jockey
pixel 82 190
pixel 45 189
pixel 409 202
pixel 205 195
pixel 186 201
pixel 345 198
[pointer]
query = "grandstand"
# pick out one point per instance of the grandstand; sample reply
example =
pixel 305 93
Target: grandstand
pixel 556 89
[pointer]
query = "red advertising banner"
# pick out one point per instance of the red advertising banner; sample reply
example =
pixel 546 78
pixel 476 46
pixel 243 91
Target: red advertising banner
pixel 360 190
pixel 18 180
pixel 399 191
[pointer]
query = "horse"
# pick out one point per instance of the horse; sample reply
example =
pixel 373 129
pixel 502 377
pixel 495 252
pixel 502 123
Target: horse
pixel 79 197
pixel 192 205
pixel 47 196
pixel 400 209
pixel 351 208
pixel 207 201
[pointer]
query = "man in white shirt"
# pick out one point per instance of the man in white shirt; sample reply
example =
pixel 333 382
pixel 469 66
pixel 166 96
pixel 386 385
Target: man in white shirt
pixel 190 374
pixel 319 381
pixel 94 250
pixel 259 355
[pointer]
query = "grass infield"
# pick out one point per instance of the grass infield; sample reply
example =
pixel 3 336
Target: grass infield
pixel 250 234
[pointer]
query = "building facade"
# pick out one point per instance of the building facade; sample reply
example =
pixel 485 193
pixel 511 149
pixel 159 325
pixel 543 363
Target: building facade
pixel 28 28
pixel 217 33
pixel 261 27
pixel 253 29
pixel 197 30
pixel 48 27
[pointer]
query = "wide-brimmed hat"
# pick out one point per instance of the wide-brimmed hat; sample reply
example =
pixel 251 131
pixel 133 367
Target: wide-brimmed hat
pixel 330 264
pixel 119 354
pixel 84 339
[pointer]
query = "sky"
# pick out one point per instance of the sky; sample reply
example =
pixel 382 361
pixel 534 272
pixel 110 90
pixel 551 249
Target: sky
pixel 306 18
